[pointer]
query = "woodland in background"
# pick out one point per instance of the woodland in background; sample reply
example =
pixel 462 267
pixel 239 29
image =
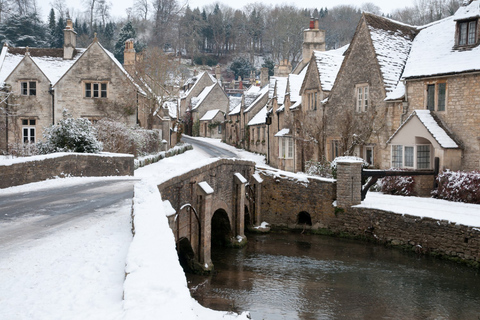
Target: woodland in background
pixel 209 35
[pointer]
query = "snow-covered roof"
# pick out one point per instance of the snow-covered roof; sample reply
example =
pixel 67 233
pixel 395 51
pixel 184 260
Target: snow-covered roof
pixel 210 115
pixel 195 81
pixel 236 110
pixel 197 101
pixel 433 126
pixel 433 50
pixel 392 42
pixel 50 61
pixel 295 84
pixel 233 103
pixel 281 85
pixel 328 65
pixel 260 117
pixel 261 93
pixel 283 132
pixel 172 108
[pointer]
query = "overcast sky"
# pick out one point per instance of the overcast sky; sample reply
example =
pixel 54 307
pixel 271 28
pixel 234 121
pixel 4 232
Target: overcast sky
pixel 119 6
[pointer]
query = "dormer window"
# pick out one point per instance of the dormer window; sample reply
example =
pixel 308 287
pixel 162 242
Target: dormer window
pixel 467 32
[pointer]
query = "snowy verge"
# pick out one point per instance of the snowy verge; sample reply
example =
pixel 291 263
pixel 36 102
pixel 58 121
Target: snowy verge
pixel 155 286
pixel 457 212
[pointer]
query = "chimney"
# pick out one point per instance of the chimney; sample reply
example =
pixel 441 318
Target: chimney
pixel 218 73
pixel 313 39
pixel 129 54
pixel 316 24
pixel 312 24
pixel 263 77
pixel 70 41
pixel 284 69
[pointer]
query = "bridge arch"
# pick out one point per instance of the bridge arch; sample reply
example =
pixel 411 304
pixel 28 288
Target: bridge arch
pixel 222 233
pixel 304 218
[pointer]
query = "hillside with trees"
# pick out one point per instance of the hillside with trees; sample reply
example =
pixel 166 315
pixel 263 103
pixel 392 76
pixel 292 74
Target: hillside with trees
pixel 213 34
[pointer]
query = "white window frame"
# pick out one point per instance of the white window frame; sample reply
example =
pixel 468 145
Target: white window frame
pixel 362 97
pixel 415 162
pixel 285 148
pixel 29 130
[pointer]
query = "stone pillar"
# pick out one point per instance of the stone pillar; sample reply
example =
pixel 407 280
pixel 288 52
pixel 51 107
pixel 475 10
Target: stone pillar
pixel 239 205
pixel 205 195
pixel 257 187
pixel 349 183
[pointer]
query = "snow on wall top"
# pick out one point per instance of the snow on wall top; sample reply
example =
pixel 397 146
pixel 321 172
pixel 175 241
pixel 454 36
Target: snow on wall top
pixel 210 114
pixel 197 101
pixel 433 50
pixel 328 65
pixel 260 117
pixel 392 42
pixel 205 187
pixel 435 129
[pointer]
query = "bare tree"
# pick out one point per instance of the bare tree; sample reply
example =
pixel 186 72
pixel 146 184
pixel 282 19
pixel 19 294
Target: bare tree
pixel 142 8
pixel 371 7
pixel 103 10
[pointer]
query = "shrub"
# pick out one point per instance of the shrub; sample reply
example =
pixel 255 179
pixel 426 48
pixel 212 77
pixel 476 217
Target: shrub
pixel 402 185
pixel 70 135
pixel 318 168
pixel 458 186
pixel 117 137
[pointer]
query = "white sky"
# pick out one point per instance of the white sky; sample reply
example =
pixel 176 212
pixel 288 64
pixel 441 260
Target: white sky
pixel 119 6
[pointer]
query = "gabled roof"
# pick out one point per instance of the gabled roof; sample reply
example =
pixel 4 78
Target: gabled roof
pixel 261 93
pixel 49 61
pixel 280 83
pixel 260 117
pixel 295 84
pixel 392 42
pixel 433 50
pixel 434 127
pixel 197 101
pixel 195 80
pixel 328 65
pixel 210 115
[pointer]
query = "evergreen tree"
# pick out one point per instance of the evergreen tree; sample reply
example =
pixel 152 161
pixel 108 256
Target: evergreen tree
pixel 23 31
pixel 58 38
pixel 127 32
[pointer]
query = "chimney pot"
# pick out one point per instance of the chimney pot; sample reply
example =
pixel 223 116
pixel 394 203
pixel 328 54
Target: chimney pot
pixel 312 23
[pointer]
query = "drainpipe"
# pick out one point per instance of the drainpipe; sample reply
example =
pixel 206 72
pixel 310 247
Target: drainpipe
pixel 52 93
pixel 268 121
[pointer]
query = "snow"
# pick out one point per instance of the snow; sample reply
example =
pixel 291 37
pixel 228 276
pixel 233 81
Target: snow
pixel 197 101
pixel 260 117
pixel 209 115
pixel 240 177
pixel 256 98
pixel 7 161
pixel 283 132
pixel 206 187
pixel 392 48
pixel 433 50
pixel 280 83
pixel 328 65
pixel 433 127
pixel 460 213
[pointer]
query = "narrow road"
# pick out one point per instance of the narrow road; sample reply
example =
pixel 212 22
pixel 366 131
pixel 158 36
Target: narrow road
pixel 212 150
pixel 32 215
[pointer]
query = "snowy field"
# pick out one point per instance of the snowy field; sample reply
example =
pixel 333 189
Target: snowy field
pixel 79 272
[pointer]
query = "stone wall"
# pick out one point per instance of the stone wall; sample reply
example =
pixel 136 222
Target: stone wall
pixel 284 197
pixel 423 235
pixel 63 165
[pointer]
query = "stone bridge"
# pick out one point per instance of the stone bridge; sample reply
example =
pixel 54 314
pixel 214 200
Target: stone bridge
pixel 213 205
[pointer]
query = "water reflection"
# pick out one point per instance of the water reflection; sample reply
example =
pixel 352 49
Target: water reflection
pixel 293 276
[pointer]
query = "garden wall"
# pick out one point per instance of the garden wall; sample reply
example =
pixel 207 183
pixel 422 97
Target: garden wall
pixel 14 172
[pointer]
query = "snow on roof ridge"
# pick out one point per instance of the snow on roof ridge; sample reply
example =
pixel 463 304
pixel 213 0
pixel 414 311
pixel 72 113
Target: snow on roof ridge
pixel 199 99
pixel 260 117
pixel 262 92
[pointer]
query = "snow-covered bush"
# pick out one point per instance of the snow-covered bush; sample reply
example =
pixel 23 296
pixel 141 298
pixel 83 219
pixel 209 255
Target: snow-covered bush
pixel 318 168
pixel 70 135
pixel 117 137
pixel 458 186
pixel 401 185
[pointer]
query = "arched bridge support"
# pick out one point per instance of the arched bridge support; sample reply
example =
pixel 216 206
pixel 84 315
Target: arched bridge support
pixel 239 209
pixel 205 198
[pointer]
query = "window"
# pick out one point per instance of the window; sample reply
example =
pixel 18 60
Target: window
pixel 28 88
pixel 219 129
pixel 335 145
pixel 436 96
pixel 312 100
pixel 95 90
pixel 362 94
pixel 285 145
pixel 368 156
pixel 418 156
pixel 28 130
pixel 467 33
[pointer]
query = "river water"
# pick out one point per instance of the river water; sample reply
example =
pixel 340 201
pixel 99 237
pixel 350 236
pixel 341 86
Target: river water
pixel 294 276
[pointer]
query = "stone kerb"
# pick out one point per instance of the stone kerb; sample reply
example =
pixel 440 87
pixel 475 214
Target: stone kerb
pixel 349 183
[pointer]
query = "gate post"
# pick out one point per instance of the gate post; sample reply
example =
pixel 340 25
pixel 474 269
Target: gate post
pixel 257 182
pixel 349 183
pixel 239 208
pixel 205 199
